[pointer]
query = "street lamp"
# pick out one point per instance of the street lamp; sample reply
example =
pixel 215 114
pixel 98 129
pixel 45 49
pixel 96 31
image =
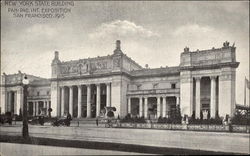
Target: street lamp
pixel 25 121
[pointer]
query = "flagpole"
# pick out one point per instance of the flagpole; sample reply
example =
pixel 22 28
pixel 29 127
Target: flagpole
pixel 245 92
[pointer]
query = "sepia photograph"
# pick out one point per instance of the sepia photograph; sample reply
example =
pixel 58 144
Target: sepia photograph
pixel 124 77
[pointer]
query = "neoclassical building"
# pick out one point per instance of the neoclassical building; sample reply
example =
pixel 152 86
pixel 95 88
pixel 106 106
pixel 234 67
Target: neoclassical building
pixel 203 82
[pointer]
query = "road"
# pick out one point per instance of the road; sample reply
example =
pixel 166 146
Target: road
pixel 10 149
pixel 211 141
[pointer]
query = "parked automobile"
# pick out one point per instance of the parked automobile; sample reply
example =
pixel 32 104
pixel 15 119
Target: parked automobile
pixel 6 118
pixel 64 121
pixel 17 117
pixel 36 120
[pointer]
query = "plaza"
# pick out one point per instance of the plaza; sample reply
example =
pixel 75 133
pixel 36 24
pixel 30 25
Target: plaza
pixel 191 140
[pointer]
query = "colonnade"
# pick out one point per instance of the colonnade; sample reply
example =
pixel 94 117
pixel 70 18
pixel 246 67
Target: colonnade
pixel 162 106
pixel 79 99
pixel 13 101
pixel 35 103
pixel 212 96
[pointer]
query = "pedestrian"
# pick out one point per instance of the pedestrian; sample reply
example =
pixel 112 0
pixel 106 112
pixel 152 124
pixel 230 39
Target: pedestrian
pixel 96 121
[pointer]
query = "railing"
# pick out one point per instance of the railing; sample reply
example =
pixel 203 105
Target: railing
pixel 154 91
pixel 212 128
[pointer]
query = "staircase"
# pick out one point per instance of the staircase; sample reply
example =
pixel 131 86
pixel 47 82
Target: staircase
pixel 90 122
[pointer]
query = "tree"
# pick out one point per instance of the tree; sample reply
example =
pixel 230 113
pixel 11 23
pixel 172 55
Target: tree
pixel 50 110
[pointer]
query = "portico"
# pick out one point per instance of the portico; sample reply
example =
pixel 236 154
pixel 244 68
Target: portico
pixel 152 106
pixel 84 100
pixel 38 107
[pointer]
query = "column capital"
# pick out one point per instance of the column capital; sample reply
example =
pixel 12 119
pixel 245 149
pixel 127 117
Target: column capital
pixel 107 83
pixel 98 84
pixel 213 77
pixel 88 85
pixel 198 78
pixel 79 86
pixel 70 87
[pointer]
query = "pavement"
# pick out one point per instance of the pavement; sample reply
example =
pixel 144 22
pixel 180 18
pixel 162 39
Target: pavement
pixel 11 149
pixel 208 141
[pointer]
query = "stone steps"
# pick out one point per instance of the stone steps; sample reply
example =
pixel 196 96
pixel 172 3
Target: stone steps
pixel 91 121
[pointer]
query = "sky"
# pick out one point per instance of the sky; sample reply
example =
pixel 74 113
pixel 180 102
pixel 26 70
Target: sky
pixel 153 33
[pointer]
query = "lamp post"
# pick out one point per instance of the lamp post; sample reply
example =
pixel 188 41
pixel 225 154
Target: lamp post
pixel 25 121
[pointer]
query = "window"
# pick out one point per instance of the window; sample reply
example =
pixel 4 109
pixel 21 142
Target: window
pixel 139 87
pixel 155 85
pixel 38 93
pixel 47 92
pixel 173 86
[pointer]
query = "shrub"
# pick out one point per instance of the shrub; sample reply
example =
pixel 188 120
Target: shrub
pixel 241 118
pixel 212 121
pixel 129 119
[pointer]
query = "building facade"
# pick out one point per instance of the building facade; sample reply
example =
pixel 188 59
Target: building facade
pixel 204 82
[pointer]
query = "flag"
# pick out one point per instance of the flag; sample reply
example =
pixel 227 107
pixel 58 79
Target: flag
pixel 247 83
pixel 247 86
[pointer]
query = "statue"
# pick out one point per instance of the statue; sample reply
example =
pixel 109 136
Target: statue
pixel 118 44
pixel 118 47
pixel 205 113
pixel 186 49
pixel 226 44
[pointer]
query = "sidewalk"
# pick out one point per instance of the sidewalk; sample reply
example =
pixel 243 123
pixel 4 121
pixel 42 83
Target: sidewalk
pixel 13 149
pixel 105 146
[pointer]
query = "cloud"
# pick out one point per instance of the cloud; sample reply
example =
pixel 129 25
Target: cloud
pixel 120 28
pixel 192 29
pixel 41 30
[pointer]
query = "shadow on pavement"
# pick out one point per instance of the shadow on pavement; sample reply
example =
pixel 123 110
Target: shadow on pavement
pixel 107 146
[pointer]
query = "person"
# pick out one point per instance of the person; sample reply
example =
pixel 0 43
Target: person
pixel 67 122
pixel 69 117
pixel 96 121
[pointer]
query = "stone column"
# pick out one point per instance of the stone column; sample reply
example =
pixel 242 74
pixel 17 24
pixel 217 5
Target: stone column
pixel 34 108
pixel 88 101
pixel 168 108
pixel 18 106
pixel 129 105
pixel 158 106
pixel 140 107
pixel 146 107
pixel 62 101
pixel 45 107
pixel 37 107
pixel 197 97
pixel 164 105
pixel 98 99
pixel 8 102
pixel 79 110
pixel 3 98
pixel 19 99
pixel 213 97
pixel 177 100
pixel 108 95
pixel 71 100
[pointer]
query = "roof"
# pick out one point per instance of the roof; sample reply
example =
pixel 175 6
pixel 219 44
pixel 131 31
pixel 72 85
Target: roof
pixel 156 71
pixel 40 82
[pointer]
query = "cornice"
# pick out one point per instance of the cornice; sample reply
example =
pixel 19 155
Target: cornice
pixel 211 66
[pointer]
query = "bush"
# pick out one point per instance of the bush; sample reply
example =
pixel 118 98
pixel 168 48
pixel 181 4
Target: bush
pixel 110 114
pixel 129 119
pixel 212 121
pixel 241 118
pixel 139 120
